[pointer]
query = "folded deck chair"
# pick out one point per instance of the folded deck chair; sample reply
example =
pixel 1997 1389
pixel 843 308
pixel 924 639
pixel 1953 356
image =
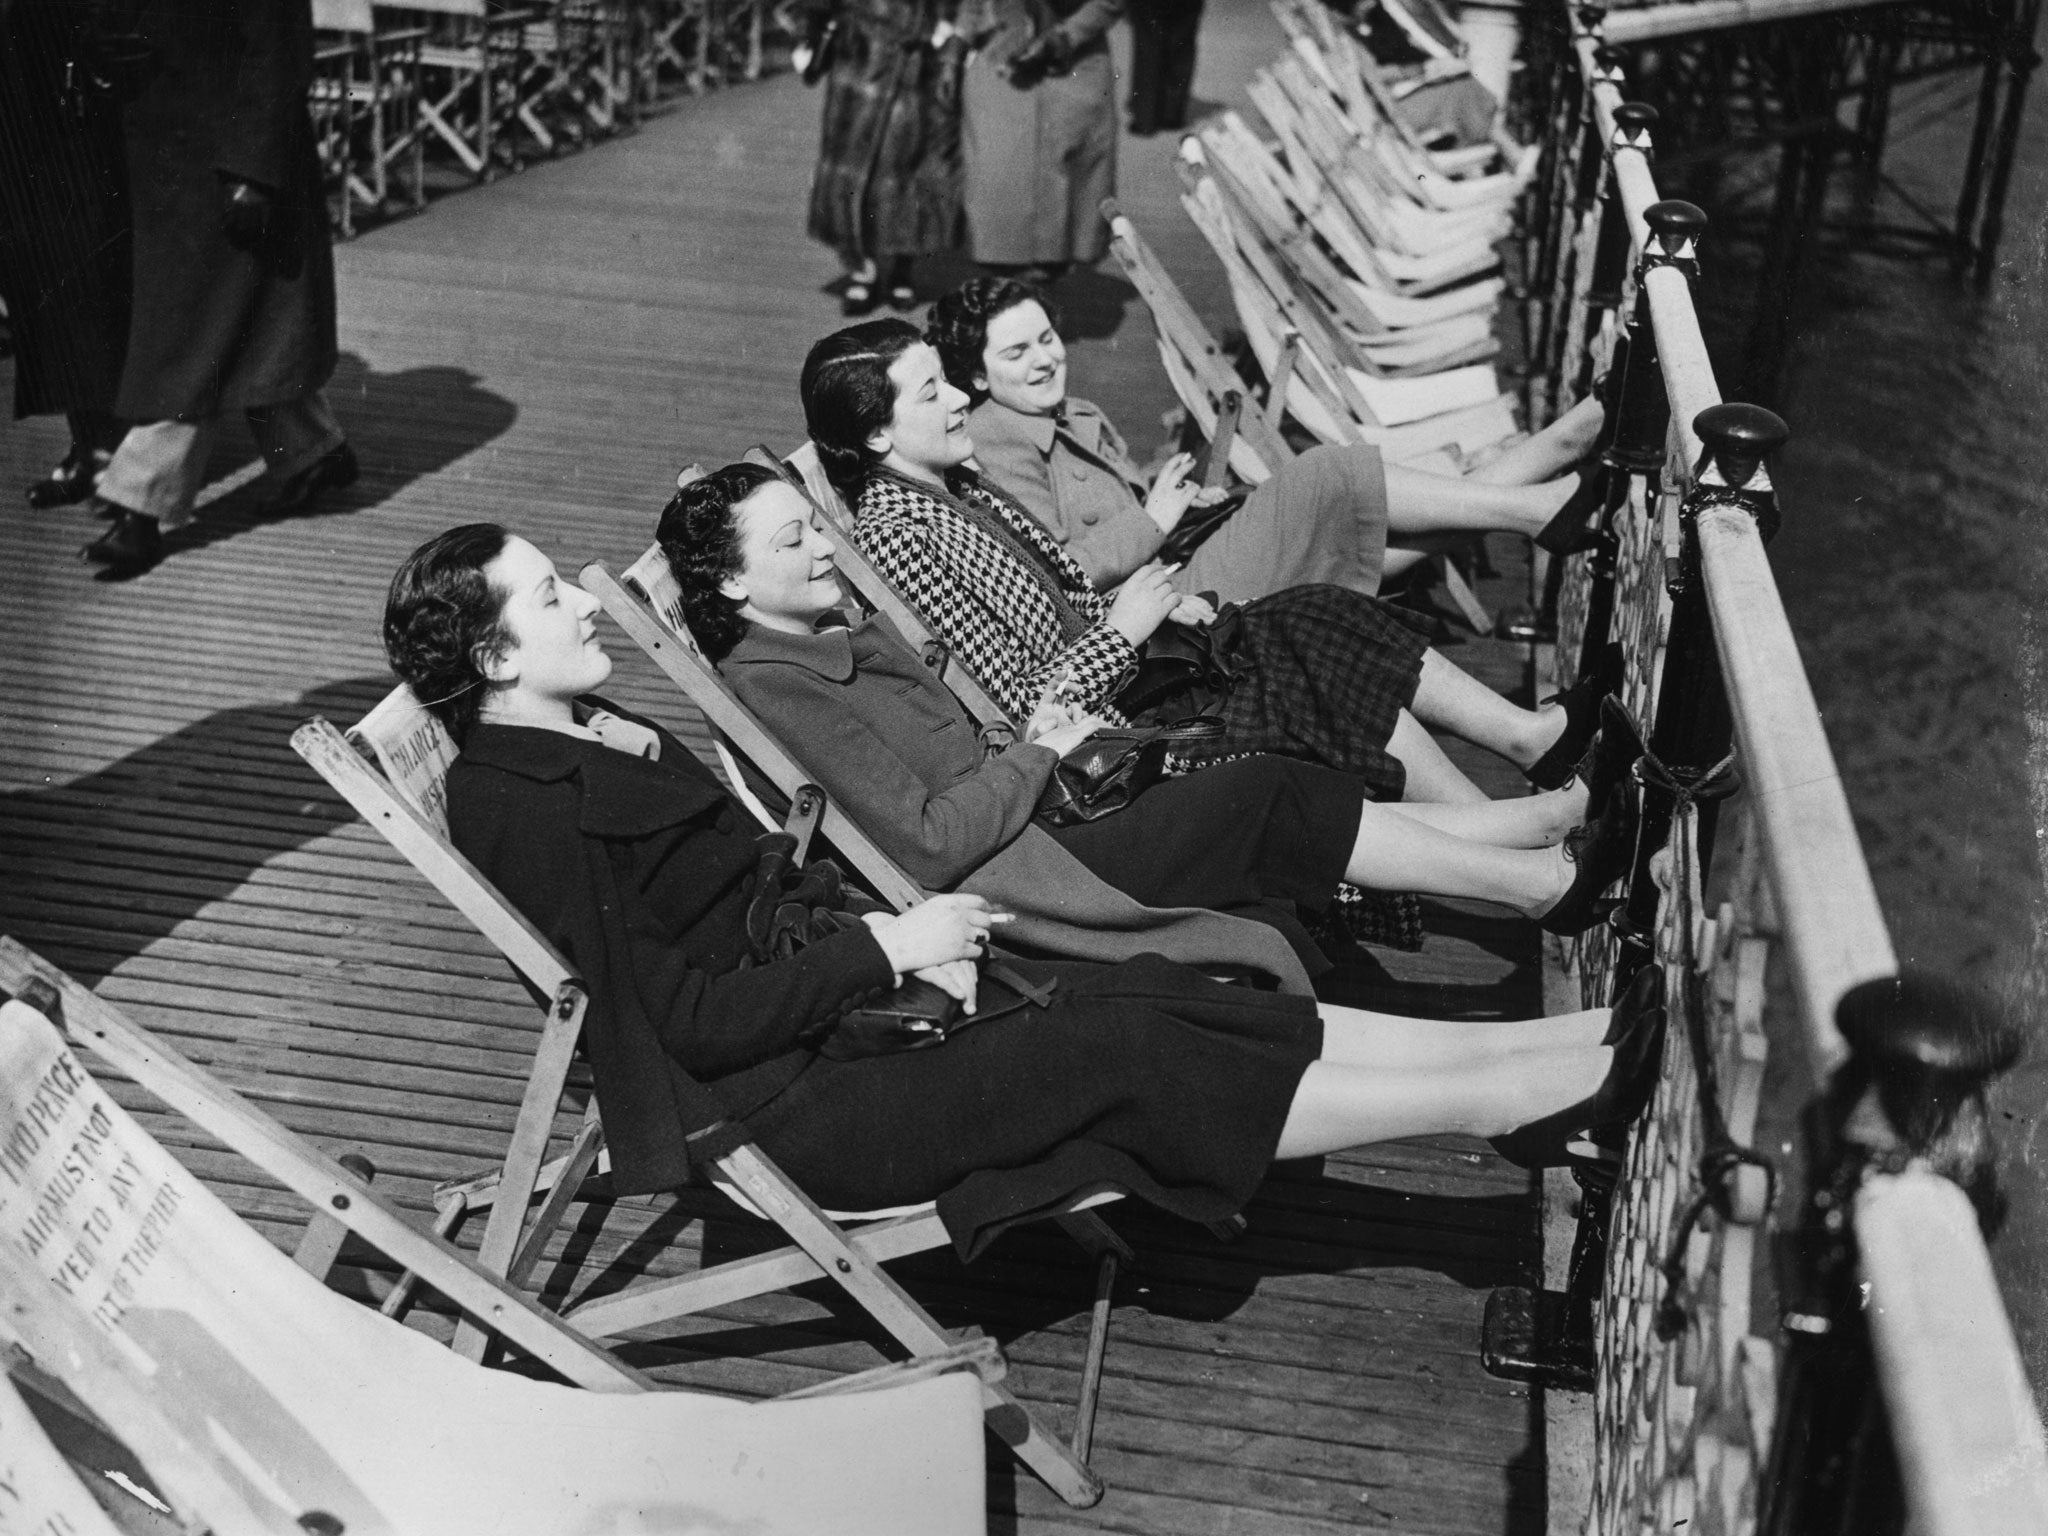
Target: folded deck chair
pixel 260 1401
pixel 820 1247
pixel 1202 376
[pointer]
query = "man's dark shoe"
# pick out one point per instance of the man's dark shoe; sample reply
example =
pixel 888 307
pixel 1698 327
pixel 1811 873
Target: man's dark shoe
pixel 133 545
pixel 334 470
pixel 70 482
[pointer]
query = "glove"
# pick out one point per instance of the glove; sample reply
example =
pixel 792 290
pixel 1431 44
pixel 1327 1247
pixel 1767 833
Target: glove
pixel 1046 54
pixel 245 212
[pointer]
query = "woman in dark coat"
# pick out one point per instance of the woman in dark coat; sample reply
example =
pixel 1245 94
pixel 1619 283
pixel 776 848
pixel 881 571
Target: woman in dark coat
pixel 899 754
pixel 64 256
pixel 1320 673
pixel 722 991
pixel 1038 130
pixel 887 185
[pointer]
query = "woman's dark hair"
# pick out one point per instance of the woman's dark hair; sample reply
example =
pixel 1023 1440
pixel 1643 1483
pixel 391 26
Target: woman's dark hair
pixel 959 325
pixel 444 620
pixel 848 397
pixel 699 534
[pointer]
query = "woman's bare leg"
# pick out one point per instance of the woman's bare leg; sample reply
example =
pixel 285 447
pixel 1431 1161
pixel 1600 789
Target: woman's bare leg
pixel 1394 853
pixel 1421 504
pixel 1557 448
pixel 1526 821
pixel 1344 1106
pixel 1358 1037
pixel 1432 776
pixel 1450 699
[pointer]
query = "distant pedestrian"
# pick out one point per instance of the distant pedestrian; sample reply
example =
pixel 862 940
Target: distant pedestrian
pixel 64 252
pixel 887 185
pixel 1162 63
pixel 234 270
pixel 1038 132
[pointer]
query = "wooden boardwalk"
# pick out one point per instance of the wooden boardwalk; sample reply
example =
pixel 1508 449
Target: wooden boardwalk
pixel 547 352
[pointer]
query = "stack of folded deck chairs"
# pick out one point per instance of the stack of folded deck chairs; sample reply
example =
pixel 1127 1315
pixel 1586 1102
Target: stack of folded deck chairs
pixel 1361 213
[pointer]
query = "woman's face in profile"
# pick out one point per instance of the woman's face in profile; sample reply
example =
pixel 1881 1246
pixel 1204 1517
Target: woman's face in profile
pixel 787 579
pixel 553 652
pixel 929 427
pixel 1023 361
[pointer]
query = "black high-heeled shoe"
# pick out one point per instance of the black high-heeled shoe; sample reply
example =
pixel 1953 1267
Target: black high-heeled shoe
pixel 1604 850
pixel 1616 749
pixel 1569 532
pixel 1581 701
pixel 1636 1035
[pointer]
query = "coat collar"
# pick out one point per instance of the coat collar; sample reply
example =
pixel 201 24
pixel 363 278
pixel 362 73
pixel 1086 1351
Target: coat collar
pixel 827 652
pixel 1079 419
pixel 623 796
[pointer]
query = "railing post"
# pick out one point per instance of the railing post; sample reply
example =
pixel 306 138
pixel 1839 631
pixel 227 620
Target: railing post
pixel 1921 1050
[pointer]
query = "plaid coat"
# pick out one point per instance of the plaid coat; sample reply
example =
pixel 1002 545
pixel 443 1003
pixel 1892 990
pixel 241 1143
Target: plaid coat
pixel 1003 625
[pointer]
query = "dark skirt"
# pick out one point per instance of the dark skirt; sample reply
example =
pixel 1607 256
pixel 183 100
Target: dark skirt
pixel 1146 1076
pixel 1324 673
pixel 1252 830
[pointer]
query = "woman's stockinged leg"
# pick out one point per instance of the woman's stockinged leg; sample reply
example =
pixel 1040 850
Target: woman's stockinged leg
pixel 1346 1106
pixel 1557 448
pixel 1525 821
pixel 1432 776
pixel 1450 699
pixel 1358 1037
pixel 1396 853
pixel 1421 504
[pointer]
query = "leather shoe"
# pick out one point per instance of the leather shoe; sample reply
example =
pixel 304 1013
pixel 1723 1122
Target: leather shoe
pixel 70 482
pixel 1604 850
pixel 334 470
pixel 1569 531
pixel 1636 1035
pixel 1613 755
pixel 1581 701
pixel 133 545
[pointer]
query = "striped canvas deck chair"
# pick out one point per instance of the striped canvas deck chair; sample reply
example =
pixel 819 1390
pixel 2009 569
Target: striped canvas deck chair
pixel 260 1401
pixel 1203 377
pixel 804 472
pixel 820 1246
pixel 476 84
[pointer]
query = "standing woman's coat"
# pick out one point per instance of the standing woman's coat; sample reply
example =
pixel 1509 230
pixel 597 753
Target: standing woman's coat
pixel 221 94
pixel 1038 162
pixel 63 210
pixel 888 176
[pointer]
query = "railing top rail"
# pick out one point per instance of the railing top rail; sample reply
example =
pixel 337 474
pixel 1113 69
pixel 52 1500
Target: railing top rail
pixel 1834 930
pixel 1683 18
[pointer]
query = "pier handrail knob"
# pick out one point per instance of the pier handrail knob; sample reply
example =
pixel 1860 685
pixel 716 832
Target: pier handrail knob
pixel 1632 123
pixel 1675 230
pixel 1736 438
pixel 1924 1047
pixel 1608 62
pixel 1590 14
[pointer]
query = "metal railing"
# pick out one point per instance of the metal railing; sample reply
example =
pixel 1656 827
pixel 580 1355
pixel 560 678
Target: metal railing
pixel 1870 1382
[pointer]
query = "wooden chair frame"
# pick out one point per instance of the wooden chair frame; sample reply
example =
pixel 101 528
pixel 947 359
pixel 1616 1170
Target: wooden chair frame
pixel 476 76
pixel 820 1247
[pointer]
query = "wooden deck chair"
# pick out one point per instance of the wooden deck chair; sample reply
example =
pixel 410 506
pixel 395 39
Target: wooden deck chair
pixel 366 96
pixel 820 1246
pixel 804 472
pixel 475 76
pixel 260 1401
pixel 1202 377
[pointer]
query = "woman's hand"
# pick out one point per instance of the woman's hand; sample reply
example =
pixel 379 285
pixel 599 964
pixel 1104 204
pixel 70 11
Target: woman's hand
pixel 1193 609
pixel 958 979
pixel 935 932
pixel 1144 602
pixel 1173 493
pixel 1064 738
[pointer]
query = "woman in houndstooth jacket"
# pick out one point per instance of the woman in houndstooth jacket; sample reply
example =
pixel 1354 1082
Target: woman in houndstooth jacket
pixel 1321 672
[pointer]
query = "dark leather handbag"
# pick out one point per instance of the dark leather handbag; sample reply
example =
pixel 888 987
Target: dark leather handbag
pixel 1112 768
pixel 1195 526
pixel 1185 663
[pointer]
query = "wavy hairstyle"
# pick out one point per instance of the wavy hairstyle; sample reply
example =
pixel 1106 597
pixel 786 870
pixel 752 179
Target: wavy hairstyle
pixel 848 396
pixel 444 621
pixel 699 535
pixel 959 325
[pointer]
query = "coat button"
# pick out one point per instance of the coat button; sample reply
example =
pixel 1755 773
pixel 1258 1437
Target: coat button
pixel 1091 518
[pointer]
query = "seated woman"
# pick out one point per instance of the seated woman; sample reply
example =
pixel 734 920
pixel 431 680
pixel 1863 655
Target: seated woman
pixel 718 988
pixel 899 753
pixel 1321 673
pixel 1324 517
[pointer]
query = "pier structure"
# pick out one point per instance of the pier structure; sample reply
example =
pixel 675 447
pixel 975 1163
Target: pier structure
pixel 1777 114
pixel 1778 1297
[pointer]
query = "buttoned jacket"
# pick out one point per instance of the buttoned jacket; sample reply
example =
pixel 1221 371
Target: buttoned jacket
pixel 898 753
pixel 1074 474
